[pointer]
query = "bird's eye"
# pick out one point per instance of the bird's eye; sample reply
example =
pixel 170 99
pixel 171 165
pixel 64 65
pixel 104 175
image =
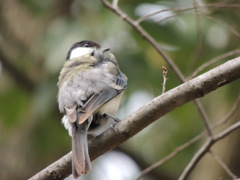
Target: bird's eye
pixel 86 45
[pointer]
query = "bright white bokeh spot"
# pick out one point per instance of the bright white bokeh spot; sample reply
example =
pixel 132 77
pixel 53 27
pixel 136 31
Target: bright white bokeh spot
pixel 147 8
pixel 113 165
pixel 136 100
pixel 217 36
pixel 124 40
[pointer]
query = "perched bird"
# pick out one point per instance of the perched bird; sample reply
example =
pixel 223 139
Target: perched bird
pixel 90 90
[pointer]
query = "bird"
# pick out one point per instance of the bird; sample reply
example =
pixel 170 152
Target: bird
pixel 90 88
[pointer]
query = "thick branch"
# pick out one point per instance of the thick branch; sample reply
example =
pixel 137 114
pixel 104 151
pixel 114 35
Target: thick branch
pixel 147 114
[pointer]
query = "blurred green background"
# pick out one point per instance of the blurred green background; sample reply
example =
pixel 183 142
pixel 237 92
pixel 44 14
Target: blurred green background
pixel 34 39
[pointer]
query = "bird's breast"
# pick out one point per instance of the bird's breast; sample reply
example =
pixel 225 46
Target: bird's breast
pixel 111 106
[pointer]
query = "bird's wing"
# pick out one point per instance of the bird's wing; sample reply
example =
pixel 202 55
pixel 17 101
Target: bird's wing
pixel 98 100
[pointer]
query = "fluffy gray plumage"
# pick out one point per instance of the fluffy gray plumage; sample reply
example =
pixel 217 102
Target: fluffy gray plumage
pixel 90 88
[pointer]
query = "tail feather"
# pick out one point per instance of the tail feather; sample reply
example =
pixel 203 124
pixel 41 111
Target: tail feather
pixel 81 163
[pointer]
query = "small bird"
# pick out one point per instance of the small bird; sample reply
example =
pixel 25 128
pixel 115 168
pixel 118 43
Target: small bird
pixel 90 90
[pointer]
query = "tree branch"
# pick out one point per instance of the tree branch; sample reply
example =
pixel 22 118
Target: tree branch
pixel 212 61
pixel 215 5
pixel 205 148
pixel 147 37
pixel 223 165
pixel 149 113
pixel 191 141
pixel 155 45
pixel 170 156
pixel 204 116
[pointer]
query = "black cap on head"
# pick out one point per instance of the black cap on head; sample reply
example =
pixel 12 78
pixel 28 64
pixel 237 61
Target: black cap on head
pixel 85 43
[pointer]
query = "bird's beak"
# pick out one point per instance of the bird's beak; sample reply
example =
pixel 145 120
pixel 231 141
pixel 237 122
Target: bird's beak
pixel 92 54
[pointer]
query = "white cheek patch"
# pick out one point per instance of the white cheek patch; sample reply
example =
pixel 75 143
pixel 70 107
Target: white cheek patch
pixel 80 51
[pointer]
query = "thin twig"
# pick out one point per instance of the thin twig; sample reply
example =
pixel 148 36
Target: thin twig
pixel 191 141
pixel 223 165
pixel 198 49
pixel 171 155
pixel 227 131
pixel 169 17
pixel 115 3
pixel 232 30
pixel 234 109
pixel 186 9
pixel 138 21
pixel 164 72
pixel 235 32
pixel 204 117
pixel 196 158
pixel 212 61
pixel 205 148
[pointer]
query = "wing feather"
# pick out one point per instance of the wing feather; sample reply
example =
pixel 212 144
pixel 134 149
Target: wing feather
pixel 98 100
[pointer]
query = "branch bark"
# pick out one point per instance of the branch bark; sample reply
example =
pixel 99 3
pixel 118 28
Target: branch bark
pixel 147 114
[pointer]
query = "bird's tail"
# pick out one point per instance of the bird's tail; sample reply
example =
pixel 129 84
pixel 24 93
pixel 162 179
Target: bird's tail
pixel 81 163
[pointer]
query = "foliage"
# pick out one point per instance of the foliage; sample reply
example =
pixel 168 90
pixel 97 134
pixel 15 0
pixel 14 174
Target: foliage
pixel 35 37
